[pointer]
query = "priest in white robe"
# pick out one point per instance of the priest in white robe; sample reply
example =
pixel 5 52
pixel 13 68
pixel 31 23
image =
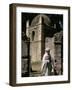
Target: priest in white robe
pixel 46 67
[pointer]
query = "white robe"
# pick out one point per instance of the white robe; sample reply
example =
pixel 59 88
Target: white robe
pixel 46 65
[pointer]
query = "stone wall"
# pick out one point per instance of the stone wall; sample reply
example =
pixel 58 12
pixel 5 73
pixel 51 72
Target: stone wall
pixel 35 42
pixel 49 42
pixel 58 41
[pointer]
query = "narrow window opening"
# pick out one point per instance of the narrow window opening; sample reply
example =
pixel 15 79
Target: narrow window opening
pixel 33 35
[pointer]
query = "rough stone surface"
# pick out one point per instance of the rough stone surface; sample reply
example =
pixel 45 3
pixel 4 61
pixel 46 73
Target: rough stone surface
pixel 41 36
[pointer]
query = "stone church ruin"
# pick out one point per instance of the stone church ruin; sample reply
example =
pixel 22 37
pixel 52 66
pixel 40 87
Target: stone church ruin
pixel 44 33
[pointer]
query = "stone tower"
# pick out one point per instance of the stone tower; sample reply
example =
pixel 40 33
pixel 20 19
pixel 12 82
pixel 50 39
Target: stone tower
pixel 35 32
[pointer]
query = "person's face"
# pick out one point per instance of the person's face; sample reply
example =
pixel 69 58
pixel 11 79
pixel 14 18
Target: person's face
pixel 48 52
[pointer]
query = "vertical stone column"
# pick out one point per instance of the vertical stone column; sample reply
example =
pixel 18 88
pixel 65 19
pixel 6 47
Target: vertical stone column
pixel 27 26
pixel 58 52
pixel 40 39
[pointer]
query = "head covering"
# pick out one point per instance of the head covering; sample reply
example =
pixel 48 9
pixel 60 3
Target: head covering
pixel 47 49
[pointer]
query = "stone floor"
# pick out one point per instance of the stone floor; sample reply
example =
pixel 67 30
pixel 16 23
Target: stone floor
pixel 36 69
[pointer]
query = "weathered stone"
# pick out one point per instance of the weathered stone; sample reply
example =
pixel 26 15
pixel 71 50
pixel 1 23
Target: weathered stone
pixel 42 35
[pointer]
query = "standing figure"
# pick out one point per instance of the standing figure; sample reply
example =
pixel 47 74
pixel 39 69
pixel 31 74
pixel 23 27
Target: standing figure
pixel 46 67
